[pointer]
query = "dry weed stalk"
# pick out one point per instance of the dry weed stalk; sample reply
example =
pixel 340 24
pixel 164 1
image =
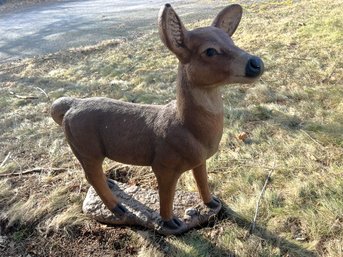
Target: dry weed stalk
pixel 253 224
pixel 30 171
pixel 6 159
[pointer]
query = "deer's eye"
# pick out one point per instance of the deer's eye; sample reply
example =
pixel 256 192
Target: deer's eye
pixel 211 52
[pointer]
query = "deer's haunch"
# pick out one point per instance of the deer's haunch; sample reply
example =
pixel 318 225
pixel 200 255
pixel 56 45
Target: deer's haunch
pixel 170 138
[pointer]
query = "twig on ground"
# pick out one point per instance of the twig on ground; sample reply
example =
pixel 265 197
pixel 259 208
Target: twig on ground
pixel 297 58
pixel 253 224
pixel 43 92
pixel 26 97
pixel 326 79
pixel 11 67
pixel 225 170
pixel 307 134
pixel 6 159
pixel 30 171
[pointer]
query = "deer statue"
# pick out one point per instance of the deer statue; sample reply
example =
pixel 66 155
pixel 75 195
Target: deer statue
pixel 171 138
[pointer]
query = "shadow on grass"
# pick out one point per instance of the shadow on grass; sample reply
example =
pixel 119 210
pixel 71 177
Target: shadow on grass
pixel 162 244
pixel 274 240
pixel 286 247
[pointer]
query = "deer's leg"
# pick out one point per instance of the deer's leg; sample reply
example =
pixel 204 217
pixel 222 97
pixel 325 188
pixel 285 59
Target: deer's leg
pixel 96 177
pixel 167 181
pixel 200 175
pixel 166 189
pixel 92 167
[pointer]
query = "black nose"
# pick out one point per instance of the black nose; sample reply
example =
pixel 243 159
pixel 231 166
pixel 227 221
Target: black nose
pixel 254 67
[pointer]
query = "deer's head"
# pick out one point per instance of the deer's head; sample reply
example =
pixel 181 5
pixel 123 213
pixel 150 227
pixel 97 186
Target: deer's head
pixel 208 54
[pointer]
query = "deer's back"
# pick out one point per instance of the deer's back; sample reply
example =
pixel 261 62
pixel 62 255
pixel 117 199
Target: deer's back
pixel 103 127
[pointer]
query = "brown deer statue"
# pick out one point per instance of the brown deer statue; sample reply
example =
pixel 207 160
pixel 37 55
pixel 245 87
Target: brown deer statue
pixel 171 138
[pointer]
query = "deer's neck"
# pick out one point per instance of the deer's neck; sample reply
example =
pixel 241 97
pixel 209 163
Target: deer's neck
pixel 200 110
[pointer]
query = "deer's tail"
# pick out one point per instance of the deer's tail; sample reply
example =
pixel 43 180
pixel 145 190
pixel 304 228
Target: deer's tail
pixel 60 107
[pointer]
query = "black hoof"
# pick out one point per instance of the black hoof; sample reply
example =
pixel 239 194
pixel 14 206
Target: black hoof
pixel 110 183
pixel 173 224
pixel 119 210
pixel 214 203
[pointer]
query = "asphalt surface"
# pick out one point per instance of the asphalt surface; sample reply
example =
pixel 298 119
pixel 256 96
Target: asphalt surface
pixel 50 27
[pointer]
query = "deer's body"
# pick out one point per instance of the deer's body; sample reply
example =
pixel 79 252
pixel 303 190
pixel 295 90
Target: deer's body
pixel 181 134
pixel 171 138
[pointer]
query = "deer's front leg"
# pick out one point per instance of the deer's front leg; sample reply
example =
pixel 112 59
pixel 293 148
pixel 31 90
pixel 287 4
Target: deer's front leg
pixel 167 181
pixel 200 175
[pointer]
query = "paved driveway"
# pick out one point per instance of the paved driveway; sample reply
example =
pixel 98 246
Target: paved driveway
pixel 50 27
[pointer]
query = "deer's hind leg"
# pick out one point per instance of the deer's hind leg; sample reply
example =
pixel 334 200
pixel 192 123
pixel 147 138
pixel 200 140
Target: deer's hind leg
pixel 91 159
pixel 96 177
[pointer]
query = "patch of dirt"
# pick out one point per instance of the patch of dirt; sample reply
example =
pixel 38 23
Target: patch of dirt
pixel 133 175
pixel 335 228
pixel 296 228
pixel 91 239
pixel 94 240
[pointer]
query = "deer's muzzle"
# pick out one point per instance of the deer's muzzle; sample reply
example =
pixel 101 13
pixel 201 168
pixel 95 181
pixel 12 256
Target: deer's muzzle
pixel 254 67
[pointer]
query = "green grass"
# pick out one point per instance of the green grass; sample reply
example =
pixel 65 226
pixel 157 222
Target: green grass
pixel 293 116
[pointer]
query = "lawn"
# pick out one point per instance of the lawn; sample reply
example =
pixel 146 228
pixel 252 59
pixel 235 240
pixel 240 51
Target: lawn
pixel 288 124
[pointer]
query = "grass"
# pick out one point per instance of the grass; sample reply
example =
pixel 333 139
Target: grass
pixel 293 117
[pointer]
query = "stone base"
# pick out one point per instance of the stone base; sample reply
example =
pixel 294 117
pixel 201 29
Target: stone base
pixel 143 208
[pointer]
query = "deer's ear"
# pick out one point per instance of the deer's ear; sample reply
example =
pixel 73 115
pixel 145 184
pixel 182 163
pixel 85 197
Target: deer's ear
pixel 172 33
pixel 229 18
